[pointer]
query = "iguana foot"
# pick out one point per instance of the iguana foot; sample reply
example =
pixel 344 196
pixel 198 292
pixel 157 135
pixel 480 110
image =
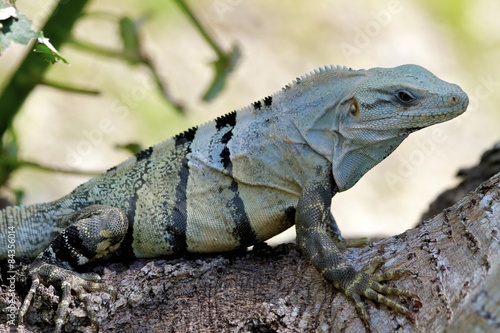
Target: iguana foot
pixel 67 281
pixel 94 233
pixel 318 238
pixel 366 283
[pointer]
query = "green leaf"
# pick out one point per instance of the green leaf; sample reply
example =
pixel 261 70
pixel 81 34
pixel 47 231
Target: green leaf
pixel 131 40
pixel 15 28
pixel 19 194
pixel 223 67
pixel 47 51
pixel 7 11
pixel 131 147
pixel 9 149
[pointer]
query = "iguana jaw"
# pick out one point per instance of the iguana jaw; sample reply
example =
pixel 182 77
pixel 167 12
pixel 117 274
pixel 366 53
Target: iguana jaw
pixel 406 122
pixel 453 105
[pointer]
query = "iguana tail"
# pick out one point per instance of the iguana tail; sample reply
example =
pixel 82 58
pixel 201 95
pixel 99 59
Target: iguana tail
pixel 27 230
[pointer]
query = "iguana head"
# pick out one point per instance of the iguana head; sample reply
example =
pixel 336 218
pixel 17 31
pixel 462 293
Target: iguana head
pixel 382 110
pixel 366 114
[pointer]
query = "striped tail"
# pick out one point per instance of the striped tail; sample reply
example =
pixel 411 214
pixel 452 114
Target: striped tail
pixel 27 230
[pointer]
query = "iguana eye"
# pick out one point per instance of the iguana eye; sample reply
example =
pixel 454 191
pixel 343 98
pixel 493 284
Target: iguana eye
pixel 405 96
pixel 354 108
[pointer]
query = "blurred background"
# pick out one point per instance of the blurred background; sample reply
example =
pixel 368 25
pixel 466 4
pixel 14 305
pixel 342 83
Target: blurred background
pixel 263 46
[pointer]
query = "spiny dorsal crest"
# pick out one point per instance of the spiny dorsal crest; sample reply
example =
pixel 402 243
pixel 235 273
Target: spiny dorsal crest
pixel 188 136
pixel 318 71
pixel 342 71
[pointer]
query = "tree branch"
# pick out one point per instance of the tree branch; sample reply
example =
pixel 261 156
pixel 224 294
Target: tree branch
pixel 454 258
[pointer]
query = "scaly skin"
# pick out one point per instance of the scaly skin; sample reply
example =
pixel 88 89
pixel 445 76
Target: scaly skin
pixel 239 180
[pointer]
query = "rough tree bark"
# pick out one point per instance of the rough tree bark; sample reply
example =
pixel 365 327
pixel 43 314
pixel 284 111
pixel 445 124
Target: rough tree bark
pixel 454 258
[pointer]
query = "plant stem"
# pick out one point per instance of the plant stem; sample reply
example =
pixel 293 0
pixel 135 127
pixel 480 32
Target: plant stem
pixel 184 7
pixel 32 70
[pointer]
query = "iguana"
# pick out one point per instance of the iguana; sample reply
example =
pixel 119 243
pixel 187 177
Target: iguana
pixel 236 181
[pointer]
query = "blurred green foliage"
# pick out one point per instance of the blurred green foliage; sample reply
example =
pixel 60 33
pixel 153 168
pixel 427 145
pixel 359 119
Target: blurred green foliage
pixel 15 27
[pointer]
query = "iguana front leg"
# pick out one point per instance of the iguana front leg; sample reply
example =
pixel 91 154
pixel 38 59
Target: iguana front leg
pixel 313 225
pixel 94 234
